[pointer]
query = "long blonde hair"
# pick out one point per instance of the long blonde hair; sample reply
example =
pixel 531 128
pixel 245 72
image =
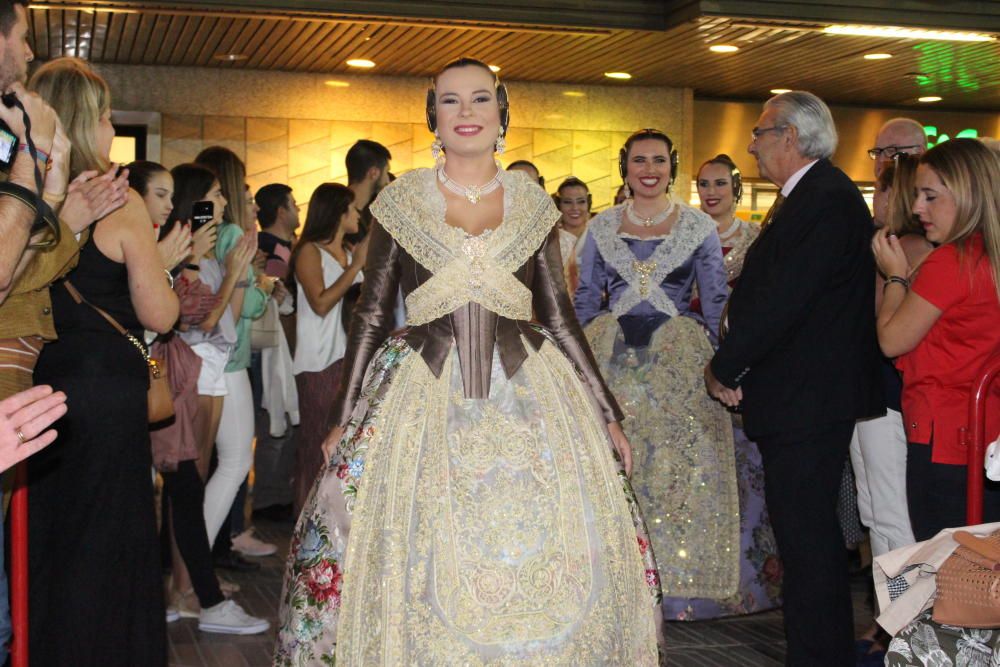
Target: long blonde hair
pixel 971 172
pixel 232 175
pixel 80 97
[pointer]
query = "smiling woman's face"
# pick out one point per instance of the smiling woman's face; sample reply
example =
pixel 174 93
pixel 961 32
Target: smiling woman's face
pixel 468 115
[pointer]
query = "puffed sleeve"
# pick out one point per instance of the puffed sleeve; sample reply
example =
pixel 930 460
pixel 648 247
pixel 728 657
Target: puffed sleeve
pixel 593 281
pixel 554 310
pixel 710 272
pixel 372 320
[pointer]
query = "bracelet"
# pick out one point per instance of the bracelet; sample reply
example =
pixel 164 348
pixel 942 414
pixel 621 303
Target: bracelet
pixel 170 277
pixel 53 198
pixel 43 156
pixel 896 279
pixel 243 283
pixel 192 267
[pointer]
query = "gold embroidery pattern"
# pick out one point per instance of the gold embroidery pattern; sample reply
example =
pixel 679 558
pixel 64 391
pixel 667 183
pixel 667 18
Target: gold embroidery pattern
pixel 682 445
pixel 733 260
pixel 476 269
pixel 493 532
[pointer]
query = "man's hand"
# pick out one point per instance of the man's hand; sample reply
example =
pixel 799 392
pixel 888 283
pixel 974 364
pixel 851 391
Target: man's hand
pixel 24 418
pixel 717 390
pixel 43 118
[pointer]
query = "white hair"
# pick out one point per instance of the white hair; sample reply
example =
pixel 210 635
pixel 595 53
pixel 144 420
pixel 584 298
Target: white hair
pixel 913 129
pixel 811 117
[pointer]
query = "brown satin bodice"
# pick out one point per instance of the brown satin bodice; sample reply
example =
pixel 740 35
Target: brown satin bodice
pixel 475 330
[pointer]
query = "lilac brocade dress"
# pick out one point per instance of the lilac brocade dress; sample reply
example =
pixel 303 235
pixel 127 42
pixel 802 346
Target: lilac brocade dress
pixel 697 477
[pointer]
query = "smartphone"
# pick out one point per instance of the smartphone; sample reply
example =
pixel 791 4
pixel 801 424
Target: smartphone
pixel 201 214
pixel 8 147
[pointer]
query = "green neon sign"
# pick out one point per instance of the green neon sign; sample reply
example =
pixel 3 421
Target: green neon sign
pixel 933 138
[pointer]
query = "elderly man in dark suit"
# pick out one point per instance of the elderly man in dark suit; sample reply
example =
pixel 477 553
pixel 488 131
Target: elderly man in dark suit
pixel 801 358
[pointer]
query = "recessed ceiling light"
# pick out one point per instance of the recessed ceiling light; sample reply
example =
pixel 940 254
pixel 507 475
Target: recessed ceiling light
pixel 494 68
pixel 229 57
pixel 779 91
pixel 574 93
pixel 929 98
pixel 618 75
pixel 360 62
pixel 894 32
pixel 337 84
pixel 723 48
pixel 878 56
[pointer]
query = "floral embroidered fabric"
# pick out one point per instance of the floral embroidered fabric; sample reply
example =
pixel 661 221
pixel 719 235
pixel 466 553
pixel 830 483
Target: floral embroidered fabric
pixel 461 531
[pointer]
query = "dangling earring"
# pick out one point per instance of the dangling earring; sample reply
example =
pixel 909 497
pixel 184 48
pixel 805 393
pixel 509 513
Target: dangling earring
pixel 437 147
pixel 501 144
pixel 627 191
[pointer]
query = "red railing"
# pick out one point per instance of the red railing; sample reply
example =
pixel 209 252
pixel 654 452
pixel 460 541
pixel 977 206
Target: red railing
pixel 19 568
pixel 975 439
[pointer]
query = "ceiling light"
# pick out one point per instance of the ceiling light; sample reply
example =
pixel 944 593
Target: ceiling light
pixel 226 57
pixel 878 56
pixel 337 84
pixel 574 93
pixel 494 68
pixel 360 62
pixel 618 75
pixel 723 48
pixel 894 32
pixel 779 91
pixel 929 98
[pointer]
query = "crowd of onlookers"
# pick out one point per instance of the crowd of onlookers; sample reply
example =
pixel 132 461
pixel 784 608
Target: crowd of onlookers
pixel 109 274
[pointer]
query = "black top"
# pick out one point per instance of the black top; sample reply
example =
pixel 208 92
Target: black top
pixel 802 341
pixel 87 343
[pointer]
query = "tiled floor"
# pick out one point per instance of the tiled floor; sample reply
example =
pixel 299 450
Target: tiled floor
pixel 749 641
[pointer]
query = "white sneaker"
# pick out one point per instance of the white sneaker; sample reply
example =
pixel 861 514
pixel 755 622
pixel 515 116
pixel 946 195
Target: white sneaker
pixel 172 615
pixel 248 545
pixel 228 618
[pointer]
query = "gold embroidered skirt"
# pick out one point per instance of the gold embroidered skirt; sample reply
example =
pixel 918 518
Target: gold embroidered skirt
pixel 453 531
pixel 684 469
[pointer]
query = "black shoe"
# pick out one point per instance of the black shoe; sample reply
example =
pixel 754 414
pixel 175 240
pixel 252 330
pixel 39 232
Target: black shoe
pixel 277 513
pixel 234 562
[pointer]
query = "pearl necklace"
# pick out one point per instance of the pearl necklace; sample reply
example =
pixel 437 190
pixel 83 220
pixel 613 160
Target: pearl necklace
pixel 473 193
pixel 653 220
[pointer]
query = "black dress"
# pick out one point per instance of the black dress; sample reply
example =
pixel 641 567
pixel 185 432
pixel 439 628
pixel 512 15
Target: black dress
pixel 96 596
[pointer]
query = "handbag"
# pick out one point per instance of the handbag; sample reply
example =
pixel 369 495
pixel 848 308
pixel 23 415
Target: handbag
pixel 265 329
pixel 968 583
pixel 159 399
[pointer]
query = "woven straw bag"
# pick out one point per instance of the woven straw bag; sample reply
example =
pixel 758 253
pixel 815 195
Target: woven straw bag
pixel 968 583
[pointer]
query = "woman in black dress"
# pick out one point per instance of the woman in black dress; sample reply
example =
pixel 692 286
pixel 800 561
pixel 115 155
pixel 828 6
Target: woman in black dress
pixel 96 596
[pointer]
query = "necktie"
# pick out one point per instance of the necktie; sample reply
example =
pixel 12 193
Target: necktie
pixel 773 211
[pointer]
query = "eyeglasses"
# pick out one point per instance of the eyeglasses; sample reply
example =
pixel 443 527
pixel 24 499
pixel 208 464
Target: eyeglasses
pixel 892 151
pixel 757 131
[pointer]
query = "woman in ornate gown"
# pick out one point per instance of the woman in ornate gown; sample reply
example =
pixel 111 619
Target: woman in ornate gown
pixel 719 190
pixel 473 512
pixel 639 264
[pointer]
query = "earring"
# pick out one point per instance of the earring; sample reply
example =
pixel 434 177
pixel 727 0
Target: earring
pixel 627 191
pixel 501 144
pixel 437 147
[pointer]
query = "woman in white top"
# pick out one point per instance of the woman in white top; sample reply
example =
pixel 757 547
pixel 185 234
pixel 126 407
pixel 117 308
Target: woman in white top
pixel 324 269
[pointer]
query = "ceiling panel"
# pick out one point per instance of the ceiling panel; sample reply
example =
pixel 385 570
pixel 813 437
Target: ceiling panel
pixel 787 54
